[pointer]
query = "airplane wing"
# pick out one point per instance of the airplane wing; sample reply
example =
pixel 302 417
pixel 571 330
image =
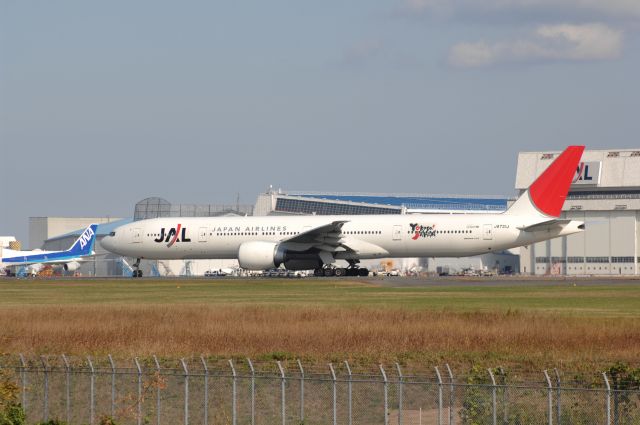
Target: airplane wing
pixel 332 244
pixel 46 258
pixel 327 237
pixel 545 225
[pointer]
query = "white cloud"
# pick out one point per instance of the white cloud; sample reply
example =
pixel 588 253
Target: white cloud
pixel 548 42
pixel 613 8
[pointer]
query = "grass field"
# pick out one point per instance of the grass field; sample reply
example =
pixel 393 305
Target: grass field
pixel 525 324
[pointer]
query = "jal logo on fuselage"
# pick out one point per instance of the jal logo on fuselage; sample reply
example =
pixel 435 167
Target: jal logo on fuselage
pixel 86 237
pixel 175 234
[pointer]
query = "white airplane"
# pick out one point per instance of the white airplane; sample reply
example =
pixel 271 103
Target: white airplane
pixel 316 242
pixel 33 261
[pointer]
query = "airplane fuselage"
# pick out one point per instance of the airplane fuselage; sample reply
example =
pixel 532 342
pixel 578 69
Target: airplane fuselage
pixel 368 236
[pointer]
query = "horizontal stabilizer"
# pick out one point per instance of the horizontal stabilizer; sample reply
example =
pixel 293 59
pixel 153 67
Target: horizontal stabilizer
pixel 546 225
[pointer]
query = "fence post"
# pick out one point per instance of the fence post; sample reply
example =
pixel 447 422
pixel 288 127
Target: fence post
pixel 439 395
pixel 23 376
pixel 386 395
pixel 493 397
pixel 186 391
pixel 400 388
pixel 158 406
pixel 45 366
pixel 206 391
pixel 113 387
pixel 349 390
pixel 92 391
pixel 283 388
pixel 253 391
pixel 549 396
pixel 505 392
pixel 558 397
pixel 67 385
pixel 608 401
pixel 139 398
pixel 233 393
pixel 451 395
pixel 301 390
pixel 335 395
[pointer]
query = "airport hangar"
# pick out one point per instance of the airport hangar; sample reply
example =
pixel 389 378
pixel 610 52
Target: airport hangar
pixel 606 196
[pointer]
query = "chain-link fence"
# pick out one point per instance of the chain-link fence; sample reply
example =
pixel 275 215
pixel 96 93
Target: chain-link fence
pixel 205 391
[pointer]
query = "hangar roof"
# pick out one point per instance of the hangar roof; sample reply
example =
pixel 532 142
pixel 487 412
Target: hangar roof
pixel 448 202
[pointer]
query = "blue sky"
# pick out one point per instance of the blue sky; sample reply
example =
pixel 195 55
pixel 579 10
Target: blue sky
pixel 105 103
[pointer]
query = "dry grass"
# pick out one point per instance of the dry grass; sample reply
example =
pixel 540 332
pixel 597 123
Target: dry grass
pixel 528 339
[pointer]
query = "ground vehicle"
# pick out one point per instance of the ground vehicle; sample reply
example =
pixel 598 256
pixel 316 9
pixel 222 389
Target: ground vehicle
pixel 214 273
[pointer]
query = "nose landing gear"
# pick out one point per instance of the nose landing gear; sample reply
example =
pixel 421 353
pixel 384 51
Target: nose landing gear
pixel 136 269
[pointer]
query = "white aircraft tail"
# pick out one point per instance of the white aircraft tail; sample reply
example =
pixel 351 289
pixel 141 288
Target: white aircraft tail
pixel 543 200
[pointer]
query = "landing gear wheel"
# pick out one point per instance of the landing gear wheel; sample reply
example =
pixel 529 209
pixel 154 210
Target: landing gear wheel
pixel 328 272
pixel 352 271
pixel 363 272
pixel 318 272
pixel 136 269
pixel 339 272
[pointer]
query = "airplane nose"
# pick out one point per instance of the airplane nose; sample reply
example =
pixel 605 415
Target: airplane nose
pixel 108 243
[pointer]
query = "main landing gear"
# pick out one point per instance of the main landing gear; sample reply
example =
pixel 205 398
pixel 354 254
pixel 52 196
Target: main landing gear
pixel 352 270
pixel 136 269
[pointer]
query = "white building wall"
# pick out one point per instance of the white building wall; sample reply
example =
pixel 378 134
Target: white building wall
pixel 575 246
pixel 623 242
pixel 597 242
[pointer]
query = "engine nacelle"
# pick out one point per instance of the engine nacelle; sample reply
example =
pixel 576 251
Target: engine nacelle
pixel 71 266
pixel 257 255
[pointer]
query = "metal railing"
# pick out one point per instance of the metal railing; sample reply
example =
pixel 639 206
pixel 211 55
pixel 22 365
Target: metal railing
pixel 206 391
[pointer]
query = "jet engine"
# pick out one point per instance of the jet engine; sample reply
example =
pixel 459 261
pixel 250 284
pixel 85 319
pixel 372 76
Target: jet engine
pixel 71 266
pixel 257 255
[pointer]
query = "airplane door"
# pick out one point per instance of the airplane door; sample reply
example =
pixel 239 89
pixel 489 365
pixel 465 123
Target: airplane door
pixel 137 235
pixel 397 233
pixel 202 234
pixel 487 232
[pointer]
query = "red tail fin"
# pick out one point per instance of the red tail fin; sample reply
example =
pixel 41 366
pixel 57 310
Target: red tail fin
pixel 550 190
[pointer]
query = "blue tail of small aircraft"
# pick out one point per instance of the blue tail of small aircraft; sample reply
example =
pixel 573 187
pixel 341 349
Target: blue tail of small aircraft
pixel 84 244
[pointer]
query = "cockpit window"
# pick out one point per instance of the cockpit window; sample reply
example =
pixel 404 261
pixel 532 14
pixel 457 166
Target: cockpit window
pixel 112 234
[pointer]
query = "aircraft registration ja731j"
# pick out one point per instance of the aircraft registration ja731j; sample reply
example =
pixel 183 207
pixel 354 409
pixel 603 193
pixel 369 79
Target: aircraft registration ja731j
pixel 316 242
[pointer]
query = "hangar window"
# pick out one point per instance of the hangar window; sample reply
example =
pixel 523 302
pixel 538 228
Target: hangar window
pixel 597 259
pixel 635 153
pixel 547 156
pixel 613 154
pixel 622 259
pixel 575 259
pixel 542 260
